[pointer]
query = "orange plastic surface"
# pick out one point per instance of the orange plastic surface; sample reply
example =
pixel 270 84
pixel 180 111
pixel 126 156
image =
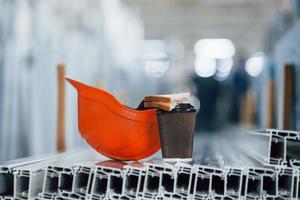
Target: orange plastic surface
pixel 114 130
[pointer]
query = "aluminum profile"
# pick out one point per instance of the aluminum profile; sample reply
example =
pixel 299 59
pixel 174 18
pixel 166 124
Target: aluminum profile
pixel 210 172
pixel 288 183
pixel 28 183
pixel 210 182
pixel 260 184
pixel 235 177
pixel 6 182
pixel 83 176
pixel 233 165
pixel 73 182
pixel 76 182
pixel 7 174
pixel 185 180
pixel 273 147
pixel 229 167
pixel 50 185
pixel 160 181
pixel 152 183
pixel 59 176
pixel 28 180
pixel 66 183
pixel 134 179
pixel 247 178
pixel 108 180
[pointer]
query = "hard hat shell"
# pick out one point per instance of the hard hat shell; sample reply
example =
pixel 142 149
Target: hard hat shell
pixel 113 129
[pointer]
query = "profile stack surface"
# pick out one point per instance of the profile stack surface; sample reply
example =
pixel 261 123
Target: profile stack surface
pixel 237 164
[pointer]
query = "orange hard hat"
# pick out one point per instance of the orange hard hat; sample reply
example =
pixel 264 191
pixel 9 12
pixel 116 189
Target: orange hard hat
pixel 113 129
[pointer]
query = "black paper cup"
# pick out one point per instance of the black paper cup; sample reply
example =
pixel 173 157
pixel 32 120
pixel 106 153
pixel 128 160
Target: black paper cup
pixel 176 130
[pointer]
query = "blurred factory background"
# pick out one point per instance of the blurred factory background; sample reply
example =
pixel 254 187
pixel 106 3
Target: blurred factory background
pixel 239 58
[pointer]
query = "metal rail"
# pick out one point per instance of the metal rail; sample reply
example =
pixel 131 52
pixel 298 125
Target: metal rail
pixel 232 166
pixel 273 147
pixel 134 180
pixel 60 175
pixel 7 174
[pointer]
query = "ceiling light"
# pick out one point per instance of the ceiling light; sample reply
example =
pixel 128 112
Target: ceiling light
pixel 214 48
pixel 224 68
pixel 205 67
pixel 255 64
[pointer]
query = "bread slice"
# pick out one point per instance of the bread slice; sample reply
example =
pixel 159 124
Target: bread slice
pixel 168 98
pixel 166 102
pixel 161 105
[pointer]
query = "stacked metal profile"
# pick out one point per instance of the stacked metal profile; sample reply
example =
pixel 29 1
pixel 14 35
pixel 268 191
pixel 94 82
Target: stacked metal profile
pixel 238 165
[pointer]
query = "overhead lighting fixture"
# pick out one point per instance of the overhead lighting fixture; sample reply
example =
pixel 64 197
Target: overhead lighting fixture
pixel 224 68
pixel 255 65
pixel 205 67
pixel 214 48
